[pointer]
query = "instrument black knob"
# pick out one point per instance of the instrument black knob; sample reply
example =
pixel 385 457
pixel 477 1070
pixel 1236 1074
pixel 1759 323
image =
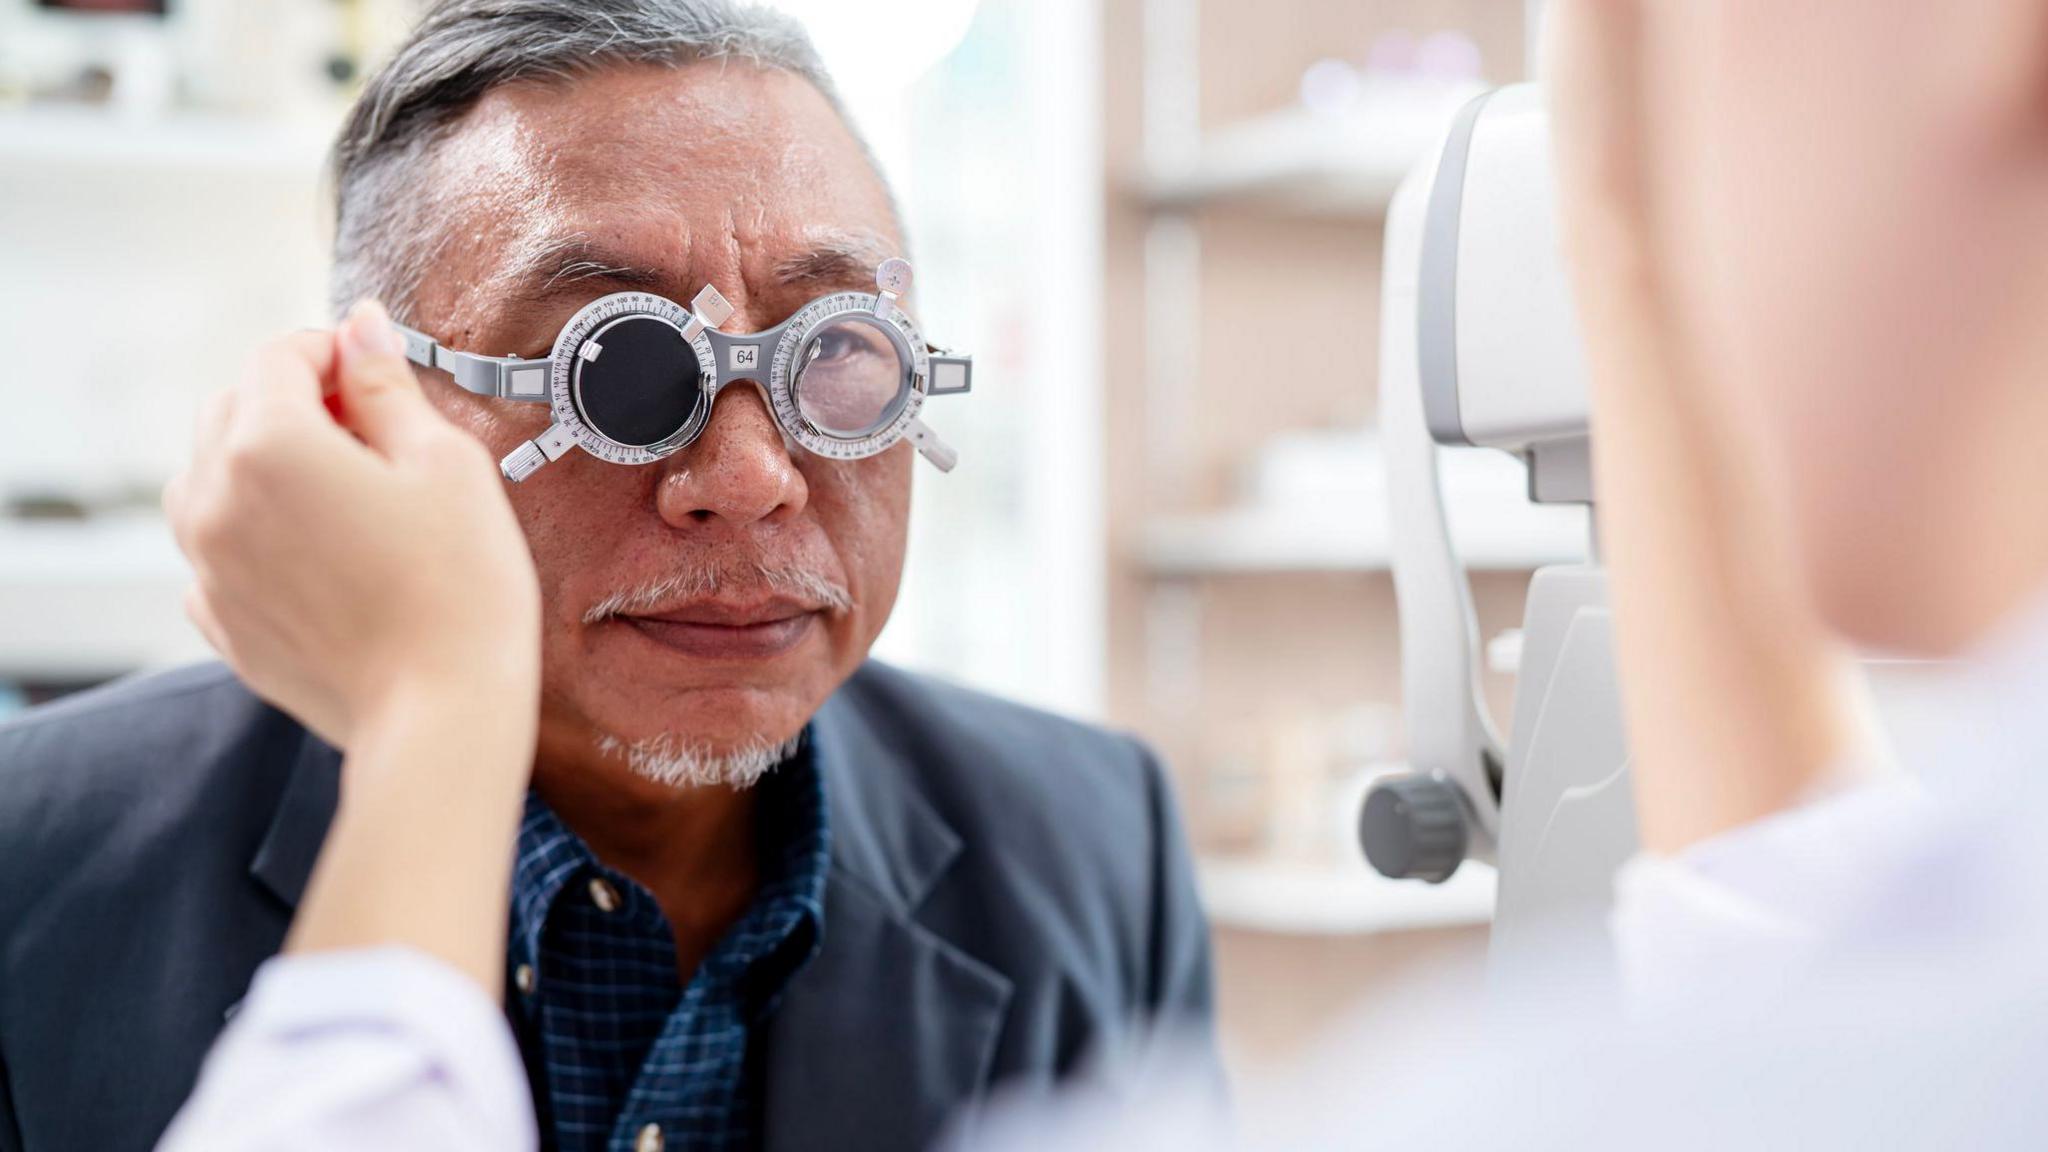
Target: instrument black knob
pixel 1413 827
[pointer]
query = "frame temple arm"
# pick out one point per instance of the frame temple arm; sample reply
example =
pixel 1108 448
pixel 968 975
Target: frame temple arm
pixel 499 377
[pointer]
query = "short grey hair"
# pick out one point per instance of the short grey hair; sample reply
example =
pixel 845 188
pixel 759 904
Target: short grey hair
pixel 387 230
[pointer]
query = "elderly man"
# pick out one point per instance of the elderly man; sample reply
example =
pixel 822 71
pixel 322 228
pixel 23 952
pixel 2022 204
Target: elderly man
pixel 768 894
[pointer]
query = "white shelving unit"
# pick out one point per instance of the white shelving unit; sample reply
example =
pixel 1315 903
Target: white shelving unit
pixel 1337 164
pixel 1311 899
pixel 1248 542
pixel 1317 502
pixel 212 145
pixel 191 234
pixel 90 599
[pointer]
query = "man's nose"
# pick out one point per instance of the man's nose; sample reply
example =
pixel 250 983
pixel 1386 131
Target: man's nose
pixel 738 471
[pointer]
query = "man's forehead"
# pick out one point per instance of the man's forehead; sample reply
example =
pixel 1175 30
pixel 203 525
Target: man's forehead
pixel 707 112
pixel 665 178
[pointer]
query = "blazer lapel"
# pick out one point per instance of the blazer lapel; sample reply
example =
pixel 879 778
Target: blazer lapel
pixel 890 1029
pixel 284 861
pixel 882 1038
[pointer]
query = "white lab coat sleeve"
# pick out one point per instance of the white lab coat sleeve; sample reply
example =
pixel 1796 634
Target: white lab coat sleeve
pixel 1747 912
pixel 374 1050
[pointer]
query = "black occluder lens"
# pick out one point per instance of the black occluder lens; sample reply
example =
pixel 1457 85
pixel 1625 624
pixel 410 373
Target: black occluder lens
pixel 644 385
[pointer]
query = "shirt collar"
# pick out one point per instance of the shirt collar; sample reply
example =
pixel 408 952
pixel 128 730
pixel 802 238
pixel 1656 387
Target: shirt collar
pixel 548 855
pixel 788 910
pixel 785 925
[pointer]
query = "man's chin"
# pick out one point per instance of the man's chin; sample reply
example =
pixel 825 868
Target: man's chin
pixel 676 760
pixel 626 692
pixel 720 718
pixel 725 722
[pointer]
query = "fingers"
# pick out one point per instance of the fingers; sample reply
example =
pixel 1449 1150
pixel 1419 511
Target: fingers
pixel 193 485
pixel 273 419
pixel 285 379
pixel 266 428
pixel 214 413
pixel 380 398
pixel 209 433
pixel 201 614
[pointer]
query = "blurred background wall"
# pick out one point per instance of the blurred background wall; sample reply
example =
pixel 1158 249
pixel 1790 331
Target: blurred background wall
pixel 1155 222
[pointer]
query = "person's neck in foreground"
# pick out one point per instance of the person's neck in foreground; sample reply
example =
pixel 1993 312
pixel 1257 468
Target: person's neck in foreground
pixel 1994 542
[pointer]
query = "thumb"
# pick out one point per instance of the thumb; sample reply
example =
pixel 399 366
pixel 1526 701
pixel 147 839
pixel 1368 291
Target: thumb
pixel 379 398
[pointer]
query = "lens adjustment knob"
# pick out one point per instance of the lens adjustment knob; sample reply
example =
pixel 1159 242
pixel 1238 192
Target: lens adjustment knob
pixel 1413 827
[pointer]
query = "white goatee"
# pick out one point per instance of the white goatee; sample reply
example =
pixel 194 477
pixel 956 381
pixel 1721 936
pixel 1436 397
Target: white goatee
pixel 679 763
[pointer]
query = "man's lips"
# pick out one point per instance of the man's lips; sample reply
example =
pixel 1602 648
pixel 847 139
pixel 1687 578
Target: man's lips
pixel 728 613
pixel 726 630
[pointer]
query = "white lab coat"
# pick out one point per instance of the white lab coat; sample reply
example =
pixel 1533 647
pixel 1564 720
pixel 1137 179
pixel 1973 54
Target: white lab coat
pixel 380 1050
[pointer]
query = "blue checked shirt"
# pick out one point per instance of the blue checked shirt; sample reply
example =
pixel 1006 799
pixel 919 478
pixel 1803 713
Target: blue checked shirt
pixel 613 1043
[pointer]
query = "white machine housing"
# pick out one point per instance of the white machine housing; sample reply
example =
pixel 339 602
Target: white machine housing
pixel 1497 338
pixel 1480 346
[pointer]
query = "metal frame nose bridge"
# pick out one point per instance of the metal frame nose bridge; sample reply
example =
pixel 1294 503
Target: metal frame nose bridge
pixel 746 355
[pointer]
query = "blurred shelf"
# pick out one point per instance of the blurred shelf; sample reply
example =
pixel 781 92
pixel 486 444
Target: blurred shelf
pixel 96 140
pixel 1304 899
pixel 91 598
pixel 1249 541
pixel 1303 162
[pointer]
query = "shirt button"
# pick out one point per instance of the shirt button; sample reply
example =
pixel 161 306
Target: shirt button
pixel 649 1139
pixel 523 977
pixel 603 894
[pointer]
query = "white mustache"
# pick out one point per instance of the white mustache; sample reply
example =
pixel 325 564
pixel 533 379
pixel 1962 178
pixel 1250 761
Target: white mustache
pixel 698 583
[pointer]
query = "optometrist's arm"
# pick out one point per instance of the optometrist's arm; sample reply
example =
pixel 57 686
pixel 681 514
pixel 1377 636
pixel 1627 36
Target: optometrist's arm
pixel 1736 699
pixel 1740 708
pixel 371 580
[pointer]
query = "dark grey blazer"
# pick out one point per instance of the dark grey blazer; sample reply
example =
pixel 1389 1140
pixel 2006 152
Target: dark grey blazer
pixel 1008 890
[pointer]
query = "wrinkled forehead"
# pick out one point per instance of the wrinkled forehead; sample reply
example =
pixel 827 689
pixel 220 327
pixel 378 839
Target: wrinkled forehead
pixel 714 172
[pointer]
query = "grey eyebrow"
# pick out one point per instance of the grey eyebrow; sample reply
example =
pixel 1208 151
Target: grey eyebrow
pixel 573 259
pixel 835 261
pixel 572 271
